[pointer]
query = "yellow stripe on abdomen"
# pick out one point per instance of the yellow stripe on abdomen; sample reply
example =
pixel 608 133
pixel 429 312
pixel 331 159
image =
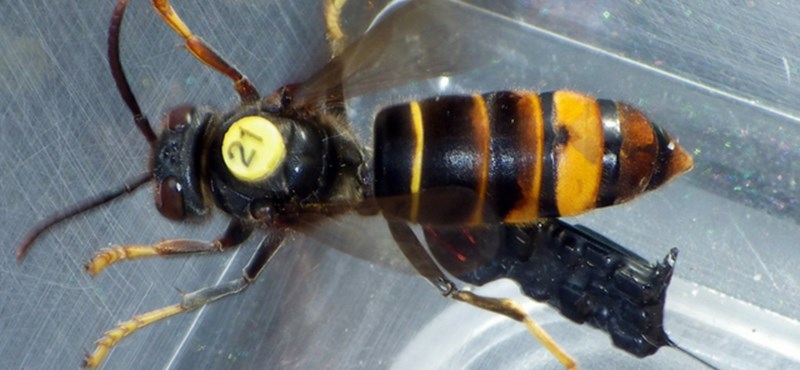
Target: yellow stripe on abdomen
pixel 416 165
pixel 480 121
pixel 579 152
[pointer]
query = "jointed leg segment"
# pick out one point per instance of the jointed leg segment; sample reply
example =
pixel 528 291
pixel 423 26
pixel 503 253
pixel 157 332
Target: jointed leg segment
pixel 514 311
pixel 236 233
pixel 203 52
pixel 333 25
pixel 191 301
pixel 424 264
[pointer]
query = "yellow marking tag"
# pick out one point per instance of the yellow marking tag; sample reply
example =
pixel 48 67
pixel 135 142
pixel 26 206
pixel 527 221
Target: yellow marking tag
pixel 253 148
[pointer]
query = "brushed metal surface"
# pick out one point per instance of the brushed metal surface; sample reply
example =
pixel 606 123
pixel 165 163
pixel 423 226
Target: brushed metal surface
pixel 720 77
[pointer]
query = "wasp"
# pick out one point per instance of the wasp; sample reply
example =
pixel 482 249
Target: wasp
pixel 275 164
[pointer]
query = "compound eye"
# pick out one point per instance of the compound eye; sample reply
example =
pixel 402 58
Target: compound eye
pixel 169 199
pixel 179 117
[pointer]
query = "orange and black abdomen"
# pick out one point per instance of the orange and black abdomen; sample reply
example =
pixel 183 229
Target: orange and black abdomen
pixel 516 156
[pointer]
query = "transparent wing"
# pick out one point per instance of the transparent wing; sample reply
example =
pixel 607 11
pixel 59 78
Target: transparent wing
pixel 417 40
pixel 364 237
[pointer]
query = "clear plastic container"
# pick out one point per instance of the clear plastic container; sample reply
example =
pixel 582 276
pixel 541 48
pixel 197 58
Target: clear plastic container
pixel 717 76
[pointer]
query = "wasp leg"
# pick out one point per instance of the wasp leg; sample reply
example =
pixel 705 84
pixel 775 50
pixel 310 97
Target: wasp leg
pixel 424 264
pixel 189 302
pixel 333 25
pixel 236 233
pixel 203 52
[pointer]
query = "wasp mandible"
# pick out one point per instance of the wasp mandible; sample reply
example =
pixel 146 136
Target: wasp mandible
pixel 290 159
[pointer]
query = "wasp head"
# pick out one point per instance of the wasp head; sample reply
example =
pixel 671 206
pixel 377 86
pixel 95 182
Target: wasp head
pixel 177 164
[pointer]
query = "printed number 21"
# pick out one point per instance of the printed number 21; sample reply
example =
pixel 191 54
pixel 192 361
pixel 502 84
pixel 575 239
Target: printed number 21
pixel 246 158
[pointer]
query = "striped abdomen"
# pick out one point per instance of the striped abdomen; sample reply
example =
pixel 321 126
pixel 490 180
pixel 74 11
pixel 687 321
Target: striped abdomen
pixel 516 156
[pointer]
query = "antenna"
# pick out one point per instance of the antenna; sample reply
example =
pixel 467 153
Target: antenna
pixel 140 119
pixel 85 206
pixel 119 74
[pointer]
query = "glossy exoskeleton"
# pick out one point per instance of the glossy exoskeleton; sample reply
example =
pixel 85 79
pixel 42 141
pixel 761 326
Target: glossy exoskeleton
pixel 502 158
pixel 585 276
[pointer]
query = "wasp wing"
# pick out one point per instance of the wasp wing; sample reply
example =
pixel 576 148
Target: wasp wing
pixel 365 234
pixel 362 236
pixel 588 278
pixel 416 41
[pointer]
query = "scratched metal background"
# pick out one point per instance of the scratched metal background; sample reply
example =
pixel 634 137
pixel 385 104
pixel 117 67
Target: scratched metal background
pixel 722 78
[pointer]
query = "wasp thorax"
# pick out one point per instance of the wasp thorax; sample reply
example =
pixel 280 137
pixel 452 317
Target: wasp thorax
pixel 253 148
